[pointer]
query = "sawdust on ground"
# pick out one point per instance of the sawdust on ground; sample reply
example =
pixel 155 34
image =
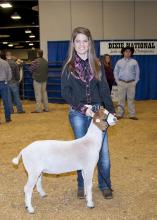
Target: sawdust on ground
pixel 133 150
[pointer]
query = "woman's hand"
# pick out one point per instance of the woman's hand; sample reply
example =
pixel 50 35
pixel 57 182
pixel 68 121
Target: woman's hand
pixel 89 111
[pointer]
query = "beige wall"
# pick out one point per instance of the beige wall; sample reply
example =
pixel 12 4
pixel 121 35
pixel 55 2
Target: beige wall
pixel 107 19
pixel 88 14
pixel 146 20
pixel 118 20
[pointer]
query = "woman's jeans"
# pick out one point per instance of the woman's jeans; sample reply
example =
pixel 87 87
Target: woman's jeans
pixel 80 124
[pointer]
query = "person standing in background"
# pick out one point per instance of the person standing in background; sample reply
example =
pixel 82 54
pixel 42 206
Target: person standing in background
pixel 126 73
pixel 39 69
pixel 108 70
pixel 14 97
pixel 5 76
pixel 82 84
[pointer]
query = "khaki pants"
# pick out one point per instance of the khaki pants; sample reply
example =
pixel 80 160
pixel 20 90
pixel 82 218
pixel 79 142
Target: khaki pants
pixel 40 95
pixel 126 91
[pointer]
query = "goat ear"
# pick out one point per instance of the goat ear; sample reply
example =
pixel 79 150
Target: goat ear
pixel 97 120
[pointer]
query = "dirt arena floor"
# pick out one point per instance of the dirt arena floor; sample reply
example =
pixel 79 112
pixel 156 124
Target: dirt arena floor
pixel 133 150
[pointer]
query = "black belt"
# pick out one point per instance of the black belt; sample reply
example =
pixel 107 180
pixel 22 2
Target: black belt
pixel 129 81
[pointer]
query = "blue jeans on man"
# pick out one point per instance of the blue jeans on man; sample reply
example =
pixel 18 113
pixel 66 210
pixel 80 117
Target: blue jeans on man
pixel 14 97
pixel 4 90
pixel 80 124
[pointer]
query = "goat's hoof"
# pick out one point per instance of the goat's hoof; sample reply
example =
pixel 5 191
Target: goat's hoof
pixel 43 195
pixel 91 206
pixel 30 210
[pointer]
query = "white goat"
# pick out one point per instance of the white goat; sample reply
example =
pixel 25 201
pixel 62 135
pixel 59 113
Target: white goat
pixel 55 157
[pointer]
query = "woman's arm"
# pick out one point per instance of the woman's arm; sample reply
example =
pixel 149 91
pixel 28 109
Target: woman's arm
pixel 66 89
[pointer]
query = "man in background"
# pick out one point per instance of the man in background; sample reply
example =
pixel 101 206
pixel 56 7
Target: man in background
pixel 14 84
pixel 39 69
pixel 5 76
pixel 126 75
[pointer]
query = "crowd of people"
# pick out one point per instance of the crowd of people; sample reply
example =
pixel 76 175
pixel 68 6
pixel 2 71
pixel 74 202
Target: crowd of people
pixel 10 79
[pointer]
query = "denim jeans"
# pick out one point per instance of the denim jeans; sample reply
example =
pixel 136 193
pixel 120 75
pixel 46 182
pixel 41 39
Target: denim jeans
pixel 4 90
pixel 80 124
pixel 14 97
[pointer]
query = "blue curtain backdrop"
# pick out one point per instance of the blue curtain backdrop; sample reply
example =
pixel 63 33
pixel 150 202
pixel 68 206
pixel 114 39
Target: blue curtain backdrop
pixel 147 86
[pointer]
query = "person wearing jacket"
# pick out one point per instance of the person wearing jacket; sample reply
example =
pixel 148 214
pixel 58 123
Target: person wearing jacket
pixel 39 70
pixel 14 96
pixel 82 84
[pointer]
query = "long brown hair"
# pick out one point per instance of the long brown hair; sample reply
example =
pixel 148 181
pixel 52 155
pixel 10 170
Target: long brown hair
pixel 93 60
pixel 109 65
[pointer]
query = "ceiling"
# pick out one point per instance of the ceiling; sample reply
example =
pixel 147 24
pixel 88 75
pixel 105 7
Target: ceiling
pixel 15 29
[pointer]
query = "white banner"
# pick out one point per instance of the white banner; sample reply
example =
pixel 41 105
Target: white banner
pixel 140 47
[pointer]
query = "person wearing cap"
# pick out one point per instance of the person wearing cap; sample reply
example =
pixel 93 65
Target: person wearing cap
pixel 126 73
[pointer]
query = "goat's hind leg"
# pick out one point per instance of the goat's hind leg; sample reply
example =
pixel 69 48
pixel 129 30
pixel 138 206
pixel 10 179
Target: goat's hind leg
pixel 28 189
pixel 88 176
pixel 39 186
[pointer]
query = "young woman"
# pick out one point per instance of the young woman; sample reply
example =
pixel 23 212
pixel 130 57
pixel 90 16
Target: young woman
pixel 108 70
pixel 84 84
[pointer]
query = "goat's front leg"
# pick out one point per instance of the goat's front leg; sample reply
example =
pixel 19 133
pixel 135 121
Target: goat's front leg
pixel 28 189
pixel 88 176
pixel 39 187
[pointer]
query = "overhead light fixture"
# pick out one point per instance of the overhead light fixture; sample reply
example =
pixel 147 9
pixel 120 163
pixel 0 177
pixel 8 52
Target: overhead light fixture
pixel 35 8
pixel 32 36
pixel 16 16
pixel 4 35
pixel 10 45
pixel 6 5
pixel 5 42
pixel 31 44
pixel 28 31
pixel 19 46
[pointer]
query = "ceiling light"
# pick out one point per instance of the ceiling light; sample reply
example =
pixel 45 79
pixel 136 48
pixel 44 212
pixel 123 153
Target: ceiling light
pixel 5 42
pixel 6 5
pixel 32 36
pixel 31 44
pixel 19 46
pixel 16 16
pixel 4 35
pixel 35 8
pixel 10 45
pixel 28 31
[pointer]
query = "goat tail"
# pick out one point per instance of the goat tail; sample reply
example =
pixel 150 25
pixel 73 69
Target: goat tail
pixel 15 160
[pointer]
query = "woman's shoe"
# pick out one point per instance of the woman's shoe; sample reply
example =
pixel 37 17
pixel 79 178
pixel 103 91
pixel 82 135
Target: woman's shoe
pixel 80 194
pixel 107 193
